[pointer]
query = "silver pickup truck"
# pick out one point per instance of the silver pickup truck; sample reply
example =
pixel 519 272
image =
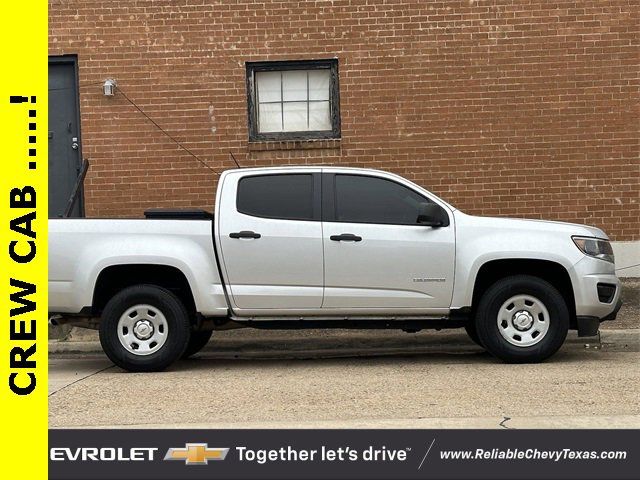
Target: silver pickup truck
pixel 323 247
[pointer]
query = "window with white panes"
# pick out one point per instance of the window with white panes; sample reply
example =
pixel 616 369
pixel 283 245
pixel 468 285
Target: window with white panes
pixel 293 100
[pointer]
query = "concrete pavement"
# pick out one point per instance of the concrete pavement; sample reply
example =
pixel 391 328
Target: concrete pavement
pixel 374 379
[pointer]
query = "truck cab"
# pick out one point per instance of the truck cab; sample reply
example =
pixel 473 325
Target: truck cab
pixel 327 241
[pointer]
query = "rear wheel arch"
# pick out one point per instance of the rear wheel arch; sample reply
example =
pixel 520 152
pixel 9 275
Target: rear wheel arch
pixel 116 278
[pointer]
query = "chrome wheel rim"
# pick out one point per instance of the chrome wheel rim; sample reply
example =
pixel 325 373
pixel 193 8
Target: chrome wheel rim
pixel 523 320
pixel 142 329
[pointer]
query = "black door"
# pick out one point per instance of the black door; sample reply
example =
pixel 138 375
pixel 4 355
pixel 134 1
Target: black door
pixel 64 135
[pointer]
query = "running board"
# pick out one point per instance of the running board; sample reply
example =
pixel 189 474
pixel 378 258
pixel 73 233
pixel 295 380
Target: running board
pixel 358 322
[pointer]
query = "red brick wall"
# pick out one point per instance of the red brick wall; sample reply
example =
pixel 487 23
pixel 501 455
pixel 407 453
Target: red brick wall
pixel 518 108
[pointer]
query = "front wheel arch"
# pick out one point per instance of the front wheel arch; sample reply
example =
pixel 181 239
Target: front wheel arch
pixel 552 272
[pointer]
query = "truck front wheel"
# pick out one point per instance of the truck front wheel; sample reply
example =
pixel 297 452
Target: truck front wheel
pixel 472 332
pixel 522 319
pixel 144 328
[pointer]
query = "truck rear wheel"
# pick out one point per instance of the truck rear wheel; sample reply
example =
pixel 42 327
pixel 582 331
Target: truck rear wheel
pixel 197 342
pixel 144 328
pixel 522 319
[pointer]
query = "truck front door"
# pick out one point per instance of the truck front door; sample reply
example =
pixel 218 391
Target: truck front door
pixel 378 258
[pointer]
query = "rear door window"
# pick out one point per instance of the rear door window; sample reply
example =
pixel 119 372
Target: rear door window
pixel 286 196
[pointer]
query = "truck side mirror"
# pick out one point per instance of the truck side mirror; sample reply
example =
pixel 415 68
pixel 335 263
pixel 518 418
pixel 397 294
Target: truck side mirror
pixel 432 215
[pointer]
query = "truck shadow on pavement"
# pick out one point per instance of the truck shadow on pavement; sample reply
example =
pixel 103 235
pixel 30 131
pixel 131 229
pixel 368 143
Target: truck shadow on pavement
pixel 375 357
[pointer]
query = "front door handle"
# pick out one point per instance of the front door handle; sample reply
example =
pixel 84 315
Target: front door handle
pixel 244 234
pixel 346 237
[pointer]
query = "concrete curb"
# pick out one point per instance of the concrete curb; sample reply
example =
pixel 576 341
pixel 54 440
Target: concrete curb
pixel 288 345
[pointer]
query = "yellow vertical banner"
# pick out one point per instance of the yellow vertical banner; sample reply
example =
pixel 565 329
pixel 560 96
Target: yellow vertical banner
pixel 23 236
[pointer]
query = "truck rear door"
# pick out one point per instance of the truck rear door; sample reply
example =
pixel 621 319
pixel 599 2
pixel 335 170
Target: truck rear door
pixel 269 234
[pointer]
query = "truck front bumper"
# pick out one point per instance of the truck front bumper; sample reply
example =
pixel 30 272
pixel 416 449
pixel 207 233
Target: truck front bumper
pixel 597 293
pixel 589 276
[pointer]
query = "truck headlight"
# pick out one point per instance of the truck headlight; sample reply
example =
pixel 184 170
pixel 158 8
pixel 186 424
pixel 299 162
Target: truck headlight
pixel 595 247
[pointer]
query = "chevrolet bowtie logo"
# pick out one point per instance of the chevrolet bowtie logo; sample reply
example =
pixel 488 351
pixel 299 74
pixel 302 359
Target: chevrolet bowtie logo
pixel 196 454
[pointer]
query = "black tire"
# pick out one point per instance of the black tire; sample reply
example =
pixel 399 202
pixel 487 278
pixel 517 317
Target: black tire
pixel 497 295
pixel 470 327
pixel 177 321
pixel 197 342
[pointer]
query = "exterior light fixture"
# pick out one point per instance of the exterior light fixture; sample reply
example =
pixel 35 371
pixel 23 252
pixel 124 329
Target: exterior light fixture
pixel 109 87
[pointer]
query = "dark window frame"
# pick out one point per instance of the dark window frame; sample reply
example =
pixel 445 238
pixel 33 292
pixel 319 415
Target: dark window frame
pixel 330 202
pixel 316 192
pixel 334 98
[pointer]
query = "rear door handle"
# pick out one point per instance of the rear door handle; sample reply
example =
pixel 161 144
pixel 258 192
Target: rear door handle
pixel 346 237
pixel 244 234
